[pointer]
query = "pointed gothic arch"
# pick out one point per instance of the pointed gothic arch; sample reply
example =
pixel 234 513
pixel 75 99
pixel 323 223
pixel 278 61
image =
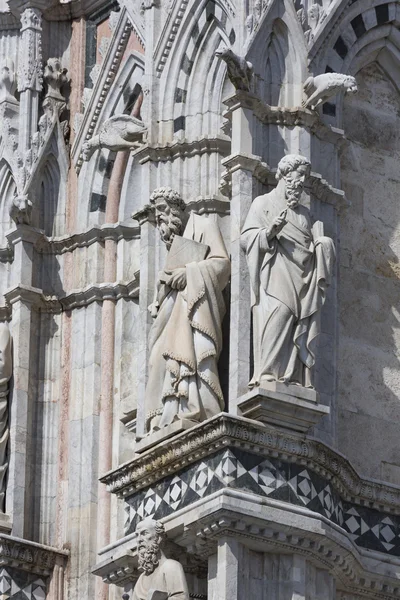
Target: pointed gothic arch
pixel 192 80
pixel 361 35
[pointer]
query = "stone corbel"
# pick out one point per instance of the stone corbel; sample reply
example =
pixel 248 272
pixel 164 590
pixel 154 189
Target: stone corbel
pixel 145 215
pixel 252 163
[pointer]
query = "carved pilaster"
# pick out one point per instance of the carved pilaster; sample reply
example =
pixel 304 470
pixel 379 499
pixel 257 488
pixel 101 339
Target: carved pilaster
pixel 30 73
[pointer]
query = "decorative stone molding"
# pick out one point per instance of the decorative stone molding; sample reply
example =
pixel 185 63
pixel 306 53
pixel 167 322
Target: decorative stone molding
pixel 223 430
pixel 339 557
pixel 73 299
pixel 179 149
pixel 288 117
pixel 100 292
pixel 29 556
pixel 170 37
pixel 68 243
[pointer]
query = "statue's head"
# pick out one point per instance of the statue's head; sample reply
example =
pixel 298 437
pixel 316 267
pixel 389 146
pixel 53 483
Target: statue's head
pixel 293 169
pixel 313 15
pixel 350 84
pixel 168 209
pixel 150 535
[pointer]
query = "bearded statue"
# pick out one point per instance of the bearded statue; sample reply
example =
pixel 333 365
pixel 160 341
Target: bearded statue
pixel 290 263
pixel 160 575
pixel 185 340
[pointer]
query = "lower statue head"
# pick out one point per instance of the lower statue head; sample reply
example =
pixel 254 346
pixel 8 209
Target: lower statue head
pixel 150 536
pixel 168 206
pixel 294 170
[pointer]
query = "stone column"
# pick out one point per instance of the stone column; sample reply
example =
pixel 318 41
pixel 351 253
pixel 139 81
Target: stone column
pixel 146 297
pixel 21 296
pixel 241 166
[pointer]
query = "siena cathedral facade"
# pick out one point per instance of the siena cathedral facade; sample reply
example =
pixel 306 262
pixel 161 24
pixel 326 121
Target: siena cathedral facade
pixel 199 299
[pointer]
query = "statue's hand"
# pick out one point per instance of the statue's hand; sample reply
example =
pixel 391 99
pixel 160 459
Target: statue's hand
pixel 277 224
pixel 176 279
pixel 153 309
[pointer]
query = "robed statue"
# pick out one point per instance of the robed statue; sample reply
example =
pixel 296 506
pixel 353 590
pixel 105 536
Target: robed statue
pixel 290 263
pixel 161 577
pixel 186 336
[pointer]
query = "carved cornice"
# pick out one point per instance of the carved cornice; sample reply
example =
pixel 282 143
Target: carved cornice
pixel 67 243
pixel 279 115
pixel 229 430
pixel 169 34
pixel 100 292
pixel 177 149
pixel 96 234
pixel 29 556
pixel 340 558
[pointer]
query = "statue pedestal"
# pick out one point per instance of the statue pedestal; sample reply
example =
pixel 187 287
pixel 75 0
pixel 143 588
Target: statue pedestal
pixel 163 434
pixel 289 406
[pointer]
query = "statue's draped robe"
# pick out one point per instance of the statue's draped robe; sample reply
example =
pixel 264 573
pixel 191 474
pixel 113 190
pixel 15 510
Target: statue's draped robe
pixel 168 577
pixel 288 283
pixel 185 340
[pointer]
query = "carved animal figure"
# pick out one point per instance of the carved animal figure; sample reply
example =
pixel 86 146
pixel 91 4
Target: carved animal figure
pixel 21 210
pixel 120 132
pixel 240 71
pixel 322 87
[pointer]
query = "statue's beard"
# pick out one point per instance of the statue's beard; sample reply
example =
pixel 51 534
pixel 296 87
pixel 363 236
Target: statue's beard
pixel 169 228
pixel 149 557
pixel 293 191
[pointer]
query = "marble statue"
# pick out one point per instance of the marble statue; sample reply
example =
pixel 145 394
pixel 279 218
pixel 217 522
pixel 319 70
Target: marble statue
pixel 120 132
pixel 322 87
pixel 185 339
pixel 240 71
pixel 290 263
pixel 161 577
pixel 5 375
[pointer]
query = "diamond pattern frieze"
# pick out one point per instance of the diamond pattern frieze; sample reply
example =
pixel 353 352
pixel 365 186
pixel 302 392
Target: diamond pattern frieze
pixel 21 585
pixel 268 477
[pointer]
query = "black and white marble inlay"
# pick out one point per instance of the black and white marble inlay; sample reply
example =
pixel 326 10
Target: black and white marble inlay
pixel 21 585
pixel 271 478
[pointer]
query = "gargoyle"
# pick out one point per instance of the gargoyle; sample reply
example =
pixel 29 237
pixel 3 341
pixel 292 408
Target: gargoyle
pixel 120 132
pixel 21 210
pixel 322 87
pixel 240 71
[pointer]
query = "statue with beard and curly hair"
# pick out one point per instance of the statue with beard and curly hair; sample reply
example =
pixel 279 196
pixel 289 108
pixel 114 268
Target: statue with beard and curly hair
pixel 185 340
pixel 290 263
pixel 161 578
